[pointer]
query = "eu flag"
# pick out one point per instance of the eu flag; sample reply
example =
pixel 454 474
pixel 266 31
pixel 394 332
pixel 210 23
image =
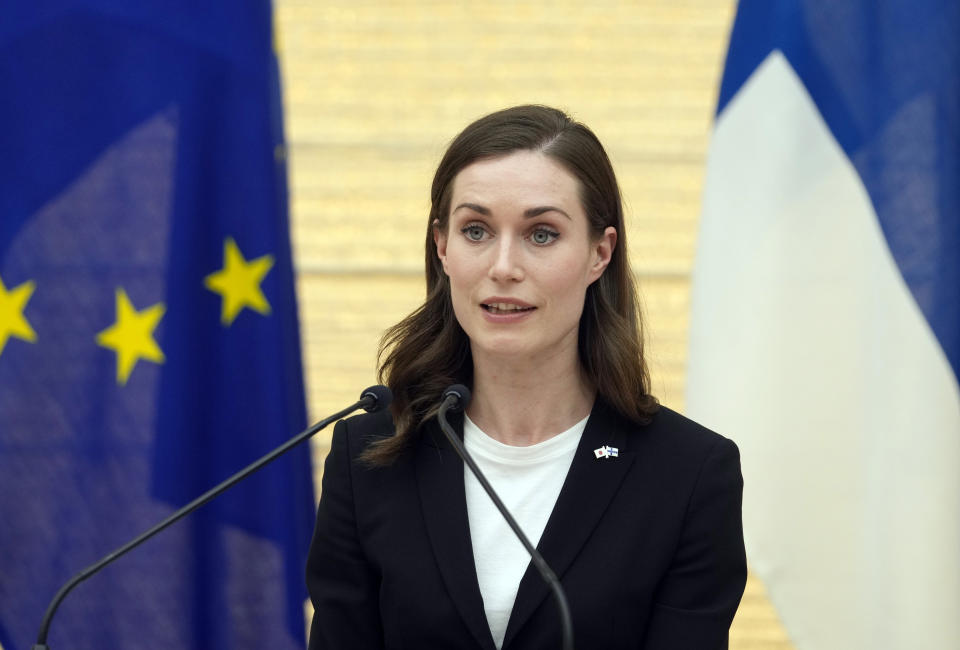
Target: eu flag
pixel 149 344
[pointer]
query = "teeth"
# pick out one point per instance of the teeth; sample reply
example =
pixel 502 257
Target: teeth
pixel 505 306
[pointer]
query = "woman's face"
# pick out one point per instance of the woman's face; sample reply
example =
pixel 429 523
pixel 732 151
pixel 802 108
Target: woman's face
pixel 519 255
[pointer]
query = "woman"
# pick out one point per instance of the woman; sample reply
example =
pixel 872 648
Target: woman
pixel 531 303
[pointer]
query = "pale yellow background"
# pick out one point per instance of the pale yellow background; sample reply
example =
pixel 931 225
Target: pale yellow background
pixel 375 90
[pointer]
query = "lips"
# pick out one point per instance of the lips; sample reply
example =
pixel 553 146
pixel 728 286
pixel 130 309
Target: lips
pixel 505 307
pixel 503 310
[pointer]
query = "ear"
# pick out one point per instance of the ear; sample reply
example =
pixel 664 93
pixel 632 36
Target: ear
pixel 602 250
pixel 440 240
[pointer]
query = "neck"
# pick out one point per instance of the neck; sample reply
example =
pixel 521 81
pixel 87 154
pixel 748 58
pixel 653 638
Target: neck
pixel 523 403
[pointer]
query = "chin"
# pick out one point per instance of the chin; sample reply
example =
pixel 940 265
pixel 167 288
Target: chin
pixel 502 346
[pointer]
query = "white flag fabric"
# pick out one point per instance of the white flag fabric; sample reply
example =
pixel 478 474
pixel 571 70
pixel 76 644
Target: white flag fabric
pixel 825 325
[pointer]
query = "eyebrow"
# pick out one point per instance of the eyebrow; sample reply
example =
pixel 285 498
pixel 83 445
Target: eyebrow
pixel 527 214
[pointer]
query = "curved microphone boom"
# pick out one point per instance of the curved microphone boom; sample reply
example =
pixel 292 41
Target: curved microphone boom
pixel 375 398
pixel 455 398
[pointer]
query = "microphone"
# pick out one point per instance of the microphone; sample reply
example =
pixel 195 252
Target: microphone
pixel 375 398
pixel 372 399
pixel 456 398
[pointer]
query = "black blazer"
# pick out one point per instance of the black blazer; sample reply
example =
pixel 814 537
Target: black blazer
pixel 648 545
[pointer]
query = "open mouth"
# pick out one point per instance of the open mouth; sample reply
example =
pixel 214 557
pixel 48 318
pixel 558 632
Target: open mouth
pixel 505 308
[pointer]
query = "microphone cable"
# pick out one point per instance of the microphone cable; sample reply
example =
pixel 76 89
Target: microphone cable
pixel 455 398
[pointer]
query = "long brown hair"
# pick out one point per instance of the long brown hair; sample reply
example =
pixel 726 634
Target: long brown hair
pixel 428 351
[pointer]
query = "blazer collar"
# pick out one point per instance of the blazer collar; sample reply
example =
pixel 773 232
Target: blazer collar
pixel 443 499
pixel 586 492
pixel 590 486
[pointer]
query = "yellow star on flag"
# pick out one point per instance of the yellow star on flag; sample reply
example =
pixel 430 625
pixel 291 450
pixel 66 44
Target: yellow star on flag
pixel 238 282
pixel 12 320
pixel 131 337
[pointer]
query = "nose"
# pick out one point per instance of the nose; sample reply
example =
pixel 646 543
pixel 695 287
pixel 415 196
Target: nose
pixel 506 264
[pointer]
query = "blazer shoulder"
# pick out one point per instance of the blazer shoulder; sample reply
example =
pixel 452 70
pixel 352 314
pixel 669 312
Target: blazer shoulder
pixel 363 429
pixel 680 432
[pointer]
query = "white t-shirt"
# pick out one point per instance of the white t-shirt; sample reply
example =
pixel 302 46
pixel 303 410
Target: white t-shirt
pixel 528 480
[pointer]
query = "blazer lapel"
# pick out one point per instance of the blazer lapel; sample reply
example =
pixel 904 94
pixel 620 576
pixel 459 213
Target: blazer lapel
pixel 439 472
pixel 590 485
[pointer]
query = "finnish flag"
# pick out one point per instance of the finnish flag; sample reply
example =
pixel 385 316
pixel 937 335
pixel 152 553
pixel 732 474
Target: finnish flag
pixel 825 332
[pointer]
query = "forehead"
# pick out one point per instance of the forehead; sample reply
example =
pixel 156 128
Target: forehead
pixel 521 176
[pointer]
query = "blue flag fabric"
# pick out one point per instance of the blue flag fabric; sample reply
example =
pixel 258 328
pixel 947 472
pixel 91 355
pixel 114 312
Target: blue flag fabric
pixel 885 76
pixel 149 344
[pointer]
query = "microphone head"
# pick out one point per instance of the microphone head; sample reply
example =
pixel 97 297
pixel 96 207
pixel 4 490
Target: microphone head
pixel 461 392
pixel 378 398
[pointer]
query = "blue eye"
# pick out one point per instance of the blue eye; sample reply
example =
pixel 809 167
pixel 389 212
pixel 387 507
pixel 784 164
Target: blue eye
pixel 543 236
pixel 473 232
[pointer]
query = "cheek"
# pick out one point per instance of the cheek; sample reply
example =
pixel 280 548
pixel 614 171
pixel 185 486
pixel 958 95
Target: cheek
pixel 568 284
pixel 463 278
pixel 461 266
pixel 572 273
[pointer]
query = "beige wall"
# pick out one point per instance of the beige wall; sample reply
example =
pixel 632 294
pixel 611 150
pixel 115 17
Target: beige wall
pixel 374 91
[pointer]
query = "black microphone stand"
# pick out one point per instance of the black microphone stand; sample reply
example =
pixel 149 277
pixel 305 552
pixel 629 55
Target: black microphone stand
pixel 456 397
pixel 372 399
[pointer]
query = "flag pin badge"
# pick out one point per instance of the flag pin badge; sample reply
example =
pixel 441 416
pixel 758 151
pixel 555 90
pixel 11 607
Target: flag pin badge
pixel 606 452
